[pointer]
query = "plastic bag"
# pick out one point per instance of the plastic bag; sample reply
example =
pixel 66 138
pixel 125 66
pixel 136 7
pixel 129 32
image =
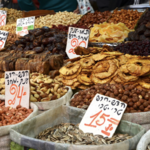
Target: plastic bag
pixel 24 134
pixel 144 141
pixel 85 6
pixel 64 100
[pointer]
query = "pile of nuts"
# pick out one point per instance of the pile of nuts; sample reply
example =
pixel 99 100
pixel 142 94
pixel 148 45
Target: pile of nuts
pixel 43 88
pixel 11 28
pixel 9 115
pixel 128 17
pixel 94 18
pixel 12 15
pixel 138 100
pixel 63 18
pixel 71 134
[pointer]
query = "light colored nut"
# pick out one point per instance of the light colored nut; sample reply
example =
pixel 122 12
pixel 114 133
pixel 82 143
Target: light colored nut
pixel 33 99
pixel 36 96
pixel 45 99
pixel 47 92
pixel 33 92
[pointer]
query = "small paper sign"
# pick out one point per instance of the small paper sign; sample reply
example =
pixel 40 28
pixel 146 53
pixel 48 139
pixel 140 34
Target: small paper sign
pixel 102 116
pixel 76 37
pixel 3 17
pixel 17 88
pixel 3 38
pixel 25 24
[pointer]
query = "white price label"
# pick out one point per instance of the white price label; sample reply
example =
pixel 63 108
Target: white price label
pixel 76 37
pixel 3 38
pixel 103 116
pixel 25 24
pixel 17 88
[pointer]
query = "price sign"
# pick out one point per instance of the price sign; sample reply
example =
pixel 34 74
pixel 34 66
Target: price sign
pixel 3 16
pixel 17 88
pixel 3 38
pixel 76 37
pixel 102 116
pixel 25 24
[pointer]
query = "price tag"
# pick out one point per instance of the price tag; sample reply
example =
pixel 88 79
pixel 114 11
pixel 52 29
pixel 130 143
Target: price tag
pixel 76 37
pixel 17 88
pixel 25 24
pixel 102 116
pixel 3 38
pixel 3 16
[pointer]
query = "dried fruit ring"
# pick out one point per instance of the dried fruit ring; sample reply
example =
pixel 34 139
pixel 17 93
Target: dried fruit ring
pixel 125 75
pixel 107 68
pixel 85 79
pixel 87 62
pixel 138 67
pixel 70 69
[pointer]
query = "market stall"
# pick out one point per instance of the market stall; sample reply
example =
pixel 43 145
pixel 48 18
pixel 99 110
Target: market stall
pixel 69 68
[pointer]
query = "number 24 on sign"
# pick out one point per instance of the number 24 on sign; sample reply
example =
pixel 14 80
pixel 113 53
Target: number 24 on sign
pixel 99 119
pixel 17 92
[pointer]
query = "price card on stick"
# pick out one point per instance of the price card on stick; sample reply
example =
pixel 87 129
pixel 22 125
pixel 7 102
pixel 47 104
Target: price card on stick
pixel 17 88
pixel 3 38
pixel 102 116
pixel 3 17
pixel 25 24
pixel 76 37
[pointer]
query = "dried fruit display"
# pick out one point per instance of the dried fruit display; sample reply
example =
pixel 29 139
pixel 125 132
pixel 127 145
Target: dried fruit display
pixel 28 60
pixel 71 134
pixel 12 15
pixel 11 115
pixel 128 17
pixel 42 39
pixel 140 34
pixel 94 18
pixel 43 88
pixel 108 32
pixel 141 48
pixel 12 37
pixel 106 67
pixel 137 98
pixel 63 18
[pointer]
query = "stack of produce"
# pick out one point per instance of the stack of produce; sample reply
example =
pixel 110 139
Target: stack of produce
pixel 141 48
pixel 42 39
pixel 108 32
pixel 43 88
pixel 63 18
pixel 128 17
pixel 137 99
pixel 12 15
pixel 106 67
pixel 93 18
pixel 71 134
pixel 17 60
pixel 11 115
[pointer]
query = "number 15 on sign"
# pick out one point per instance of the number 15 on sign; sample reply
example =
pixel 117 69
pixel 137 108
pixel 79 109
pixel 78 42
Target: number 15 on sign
pixel 17 88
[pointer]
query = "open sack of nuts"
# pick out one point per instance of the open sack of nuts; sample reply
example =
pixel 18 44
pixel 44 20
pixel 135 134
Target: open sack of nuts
pixel 11 116
pixel 62 121
pixel 46 92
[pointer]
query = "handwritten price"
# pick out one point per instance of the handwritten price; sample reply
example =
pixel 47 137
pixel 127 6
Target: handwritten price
pixel 75 43
pixel 2 20
pixel 15 90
